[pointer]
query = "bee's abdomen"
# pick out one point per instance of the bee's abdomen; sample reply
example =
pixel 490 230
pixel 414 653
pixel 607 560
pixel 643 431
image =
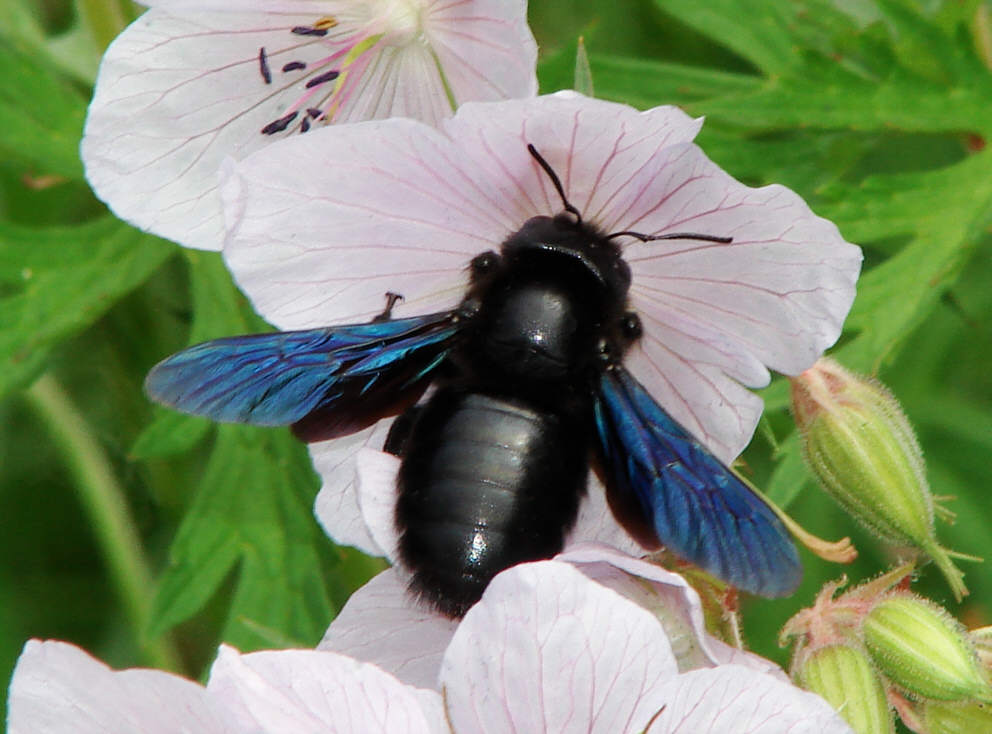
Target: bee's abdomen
pixel 486 482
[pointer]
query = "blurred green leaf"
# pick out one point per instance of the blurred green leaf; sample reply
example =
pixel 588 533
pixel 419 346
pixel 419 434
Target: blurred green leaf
pixel 253 508
pixel 54 282
pixel 168 434
pixel 41 115
pixel 758 30
pixel 791 476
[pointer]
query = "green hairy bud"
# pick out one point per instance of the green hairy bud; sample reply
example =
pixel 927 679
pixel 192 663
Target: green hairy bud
pixel 943 718
pixel 863 451
pixel 845 677
pixel 924 651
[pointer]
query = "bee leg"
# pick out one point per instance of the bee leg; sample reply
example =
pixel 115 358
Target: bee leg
pixel 387 313
pixel 399 432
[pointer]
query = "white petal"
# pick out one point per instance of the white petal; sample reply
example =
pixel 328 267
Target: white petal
pixel 184 86
pixel 377 494
pixel 336 506
pixel 59 689
pixel 665 594
pixel 318 234
pixel 715 314
pixel 547 650
pixel 314 692
pixel 383 624
pixel 739 700
pixel 485 47
pixel 725 654
pixel 175 95
pixel 595 147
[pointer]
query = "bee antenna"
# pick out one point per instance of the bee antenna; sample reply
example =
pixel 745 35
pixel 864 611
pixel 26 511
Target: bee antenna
pixel 554 180
pixel 673 236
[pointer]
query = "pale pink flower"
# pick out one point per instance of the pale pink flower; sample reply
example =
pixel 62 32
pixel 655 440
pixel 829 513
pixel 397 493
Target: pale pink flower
pixel 319 229
pixel 190 83
pixel 547 649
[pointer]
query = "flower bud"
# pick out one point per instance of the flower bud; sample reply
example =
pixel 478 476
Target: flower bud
pixel 923 650
pixel 864 453
pixel 943 718
pixel 844 676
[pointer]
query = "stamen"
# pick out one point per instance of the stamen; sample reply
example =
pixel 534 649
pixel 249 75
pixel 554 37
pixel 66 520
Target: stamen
pixel 277 126
pixel 305 125
pixel 314 112
pixel 327 76
pixel 293 66
pixel 326 23
pixel 263 65
pixel 302 30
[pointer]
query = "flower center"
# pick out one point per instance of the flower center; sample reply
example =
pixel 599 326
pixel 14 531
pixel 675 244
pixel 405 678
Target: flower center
pixel 328 58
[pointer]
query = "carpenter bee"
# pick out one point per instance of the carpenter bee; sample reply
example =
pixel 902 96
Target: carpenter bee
pixel 529 388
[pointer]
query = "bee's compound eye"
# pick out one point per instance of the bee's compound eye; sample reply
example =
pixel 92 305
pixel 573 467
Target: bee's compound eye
pixel 484 263
pixel 630 326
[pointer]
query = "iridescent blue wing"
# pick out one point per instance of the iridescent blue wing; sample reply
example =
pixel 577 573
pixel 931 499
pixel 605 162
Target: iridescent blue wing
pixel 281 378
pixel 700 509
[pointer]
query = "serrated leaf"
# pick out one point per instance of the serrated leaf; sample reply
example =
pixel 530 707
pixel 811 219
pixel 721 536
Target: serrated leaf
pixel 645 83
pixel 252 508
pixel 945 225
pixel 41 115
pixel 869 78
pixel 56 281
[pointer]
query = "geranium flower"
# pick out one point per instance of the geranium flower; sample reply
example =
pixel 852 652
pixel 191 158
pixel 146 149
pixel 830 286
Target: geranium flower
pixel 192 82
pixel 320 229
pixel 547 649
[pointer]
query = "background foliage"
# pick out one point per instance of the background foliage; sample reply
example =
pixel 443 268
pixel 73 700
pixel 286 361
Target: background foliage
pixel 147 537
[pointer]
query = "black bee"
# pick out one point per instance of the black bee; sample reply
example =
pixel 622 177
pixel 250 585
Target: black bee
pixel 529 384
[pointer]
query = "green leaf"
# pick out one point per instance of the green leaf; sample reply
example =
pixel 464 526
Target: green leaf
pixel 944 225
pixel 168 434
pixel 758 30
pixel 252 508
pixel 55 282
pixel 41 115
pixel 645 83
pixel 791 476
pixel 901 72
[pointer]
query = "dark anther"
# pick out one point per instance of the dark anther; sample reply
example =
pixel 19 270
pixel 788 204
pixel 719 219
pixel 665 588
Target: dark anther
pixel 387 313
pixel 484 263
pixel 293 66
pixel 302 30
pixel 305 125
pixel 554 180
pixel 277 126
pixel 630 326
pixel 673 236
pixel 321 78
pixel 314 112
pixel 263 65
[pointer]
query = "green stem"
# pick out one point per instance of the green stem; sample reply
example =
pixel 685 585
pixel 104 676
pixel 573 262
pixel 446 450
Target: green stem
pixel 103 499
